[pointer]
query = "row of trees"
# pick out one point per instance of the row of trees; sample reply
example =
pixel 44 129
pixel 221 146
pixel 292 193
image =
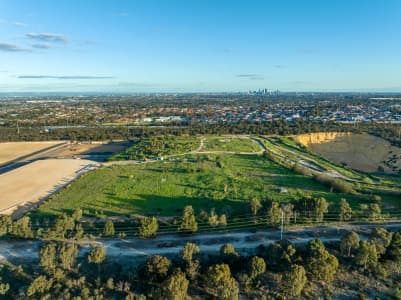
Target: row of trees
pixel 71 227
pixel 387 131
pixel 276 271
pixel 272 213
pixel 312 210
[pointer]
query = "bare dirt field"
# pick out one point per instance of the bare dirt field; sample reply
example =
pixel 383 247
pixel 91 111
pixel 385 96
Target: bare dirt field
pixel 88 150
pixel 72 150
pixel 359 151
pixel 13 150
pixel 24 187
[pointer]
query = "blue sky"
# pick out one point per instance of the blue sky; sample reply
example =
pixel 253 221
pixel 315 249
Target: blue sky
pixel 199 45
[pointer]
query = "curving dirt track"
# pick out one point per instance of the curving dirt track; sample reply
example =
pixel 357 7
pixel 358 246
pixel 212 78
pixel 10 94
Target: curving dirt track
pixel 245 242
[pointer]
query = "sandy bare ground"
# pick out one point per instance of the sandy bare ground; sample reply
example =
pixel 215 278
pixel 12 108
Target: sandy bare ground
pixel 74 149
pixel 24 187
pixel 13 150
pixel 359 151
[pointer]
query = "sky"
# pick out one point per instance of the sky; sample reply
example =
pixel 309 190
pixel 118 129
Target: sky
pixel 135 46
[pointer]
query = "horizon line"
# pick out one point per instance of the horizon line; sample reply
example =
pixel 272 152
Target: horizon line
pixel 249 92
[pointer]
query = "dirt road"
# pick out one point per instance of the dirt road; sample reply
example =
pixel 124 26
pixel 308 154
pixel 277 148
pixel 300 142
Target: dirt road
pixel 245 242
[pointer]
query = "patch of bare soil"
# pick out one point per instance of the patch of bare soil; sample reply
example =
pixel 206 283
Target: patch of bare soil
pixel 24 187
pixel 13 150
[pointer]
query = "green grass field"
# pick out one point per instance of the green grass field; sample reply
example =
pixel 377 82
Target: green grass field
pixel 165 187
pixel 223 181
pixel 228 143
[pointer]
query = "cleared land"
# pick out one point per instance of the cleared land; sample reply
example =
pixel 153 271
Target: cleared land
pixel 362 152
pixel 74 149
pixel 84 150
pixel 27 185
pixel 13 150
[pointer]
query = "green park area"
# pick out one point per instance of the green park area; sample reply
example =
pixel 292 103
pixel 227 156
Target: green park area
pixel 220 180
pixel 230 143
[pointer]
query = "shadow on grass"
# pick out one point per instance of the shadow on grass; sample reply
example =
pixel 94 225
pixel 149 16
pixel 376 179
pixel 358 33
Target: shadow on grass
pixel 162 205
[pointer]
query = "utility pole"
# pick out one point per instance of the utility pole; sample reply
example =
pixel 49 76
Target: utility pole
pixel 282 225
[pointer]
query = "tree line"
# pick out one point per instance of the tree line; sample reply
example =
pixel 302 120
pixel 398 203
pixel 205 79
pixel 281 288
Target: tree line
pixel 280 270
pixel 390 132
pixel 262 214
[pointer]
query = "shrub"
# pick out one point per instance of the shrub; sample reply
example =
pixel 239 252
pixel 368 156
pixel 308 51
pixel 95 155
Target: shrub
pixel 148 227
pixel 336 184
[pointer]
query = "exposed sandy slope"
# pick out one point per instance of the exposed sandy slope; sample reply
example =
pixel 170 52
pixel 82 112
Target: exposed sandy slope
pixel 29 184
pixel 13 150
pixel 359 151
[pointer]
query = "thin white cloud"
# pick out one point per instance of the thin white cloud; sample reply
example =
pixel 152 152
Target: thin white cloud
pixel 20 24
pixel 41 46
pixel 47 37
pixel 62 77
pixel 17 23
pixel 7 47
pixel 251 76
